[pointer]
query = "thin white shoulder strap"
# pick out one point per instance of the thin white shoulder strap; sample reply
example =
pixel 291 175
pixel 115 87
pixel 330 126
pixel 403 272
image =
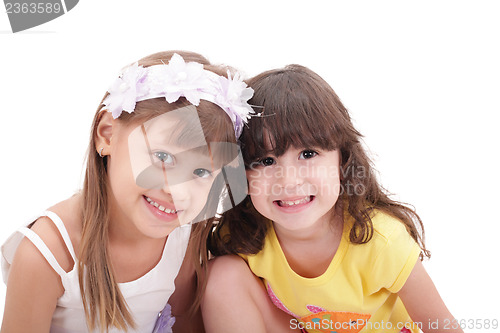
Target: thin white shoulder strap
pixel 62 230
pixel 44 250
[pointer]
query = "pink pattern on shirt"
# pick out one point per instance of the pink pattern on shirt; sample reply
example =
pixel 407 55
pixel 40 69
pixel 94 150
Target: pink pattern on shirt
pixel 312 308
pixel 276 301
pixel 315 309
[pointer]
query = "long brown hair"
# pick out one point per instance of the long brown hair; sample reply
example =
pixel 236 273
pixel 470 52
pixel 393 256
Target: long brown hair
pixel 300 109
pixel 103 302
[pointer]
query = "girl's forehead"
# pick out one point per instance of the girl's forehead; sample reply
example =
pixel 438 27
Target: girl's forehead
pixel 179 127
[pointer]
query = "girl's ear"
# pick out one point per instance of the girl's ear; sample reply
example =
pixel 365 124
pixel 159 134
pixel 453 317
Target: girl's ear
pixel 104 132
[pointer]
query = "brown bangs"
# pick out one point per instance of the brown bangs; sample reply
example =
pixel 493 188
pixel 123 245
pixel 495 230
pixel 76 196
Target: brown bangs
pixel 295 111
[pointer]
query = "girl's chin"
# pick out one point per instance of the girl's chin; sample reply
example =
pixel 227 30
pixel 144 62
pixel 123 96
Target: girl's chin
pixel 293 225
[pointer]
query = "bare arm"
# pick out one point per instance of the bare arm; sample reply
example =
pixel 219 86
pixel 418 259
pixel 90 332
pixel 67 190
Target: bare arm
pixel 33 286
pixel 423 303
pixel 32 291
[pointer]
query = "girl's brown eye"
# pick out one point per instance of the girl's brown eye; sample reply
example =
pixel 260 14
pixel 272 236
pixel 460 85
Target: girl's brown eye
pixel 307 154
pixel 267 161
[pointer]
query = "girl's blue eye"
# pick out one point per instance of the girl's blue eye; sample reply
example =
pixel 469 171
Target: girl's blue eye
pixel 307 154
pixel 202 173
pixel 267 161
pixel 164 157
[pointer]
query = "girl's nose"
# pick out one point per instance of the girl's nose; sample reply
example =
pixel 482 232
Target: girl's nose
pixel 289 177
pixel 178 192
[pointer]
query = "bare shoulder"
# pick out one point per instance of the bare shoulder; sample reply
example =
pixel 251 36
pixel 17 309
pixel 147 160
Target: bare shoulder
pixel 32 271
pixel 70 213
pixel 33 285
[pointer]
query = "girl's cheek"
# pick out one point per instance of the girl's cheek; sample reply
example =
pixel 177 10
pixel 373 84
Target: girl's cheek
pixel 252 186
pixel 256 186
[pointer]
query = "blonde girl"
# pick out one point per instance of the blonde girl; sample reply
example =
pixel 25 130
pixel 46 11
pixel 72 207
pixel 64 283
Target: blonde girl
pixel 110 257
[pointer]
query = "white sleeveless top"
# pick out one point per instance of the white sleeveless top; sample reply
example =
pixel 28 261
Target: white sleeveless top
pixel 145 296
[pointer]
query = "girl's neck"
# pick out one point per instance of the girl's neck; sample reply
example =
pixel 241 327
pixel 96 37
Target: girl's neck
pixel 310 252
pixel 132 254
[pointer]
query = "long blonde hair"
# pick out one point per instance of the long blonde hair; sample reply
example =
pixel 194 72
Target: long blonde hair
pixel 103 302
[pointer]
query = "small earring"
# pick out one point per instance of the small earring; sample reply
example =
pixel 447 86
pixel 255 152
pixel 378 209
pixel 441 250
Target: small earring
pixel 100 152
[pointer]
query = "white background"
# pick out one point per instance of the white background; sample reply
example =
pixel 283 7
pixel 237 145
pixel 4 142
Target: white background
pixel 421 80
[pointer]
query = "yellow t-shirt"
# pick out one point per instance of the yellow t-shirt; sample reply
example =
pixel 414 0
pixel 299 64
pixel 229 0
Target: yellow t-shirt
pixel 358 291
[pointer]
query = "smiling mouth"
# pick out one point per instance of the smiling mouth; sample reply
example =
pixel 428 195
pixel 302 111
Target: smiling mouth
pixel 292 203
pixel 160 207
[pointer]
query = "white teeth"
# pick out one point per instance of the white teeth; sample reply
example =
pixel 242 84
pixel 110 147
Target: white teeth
pixel 160 207
pixel 295 202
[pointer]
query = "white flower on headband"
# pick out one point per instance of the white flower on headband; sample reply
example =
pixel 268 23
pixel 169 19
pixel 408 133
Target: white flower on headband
pixel 180 79
pixel 233 97
pixel 124 92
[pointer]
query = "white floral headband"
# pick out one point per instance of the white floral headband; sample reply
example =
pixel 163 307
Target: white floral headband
pixel 180 79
